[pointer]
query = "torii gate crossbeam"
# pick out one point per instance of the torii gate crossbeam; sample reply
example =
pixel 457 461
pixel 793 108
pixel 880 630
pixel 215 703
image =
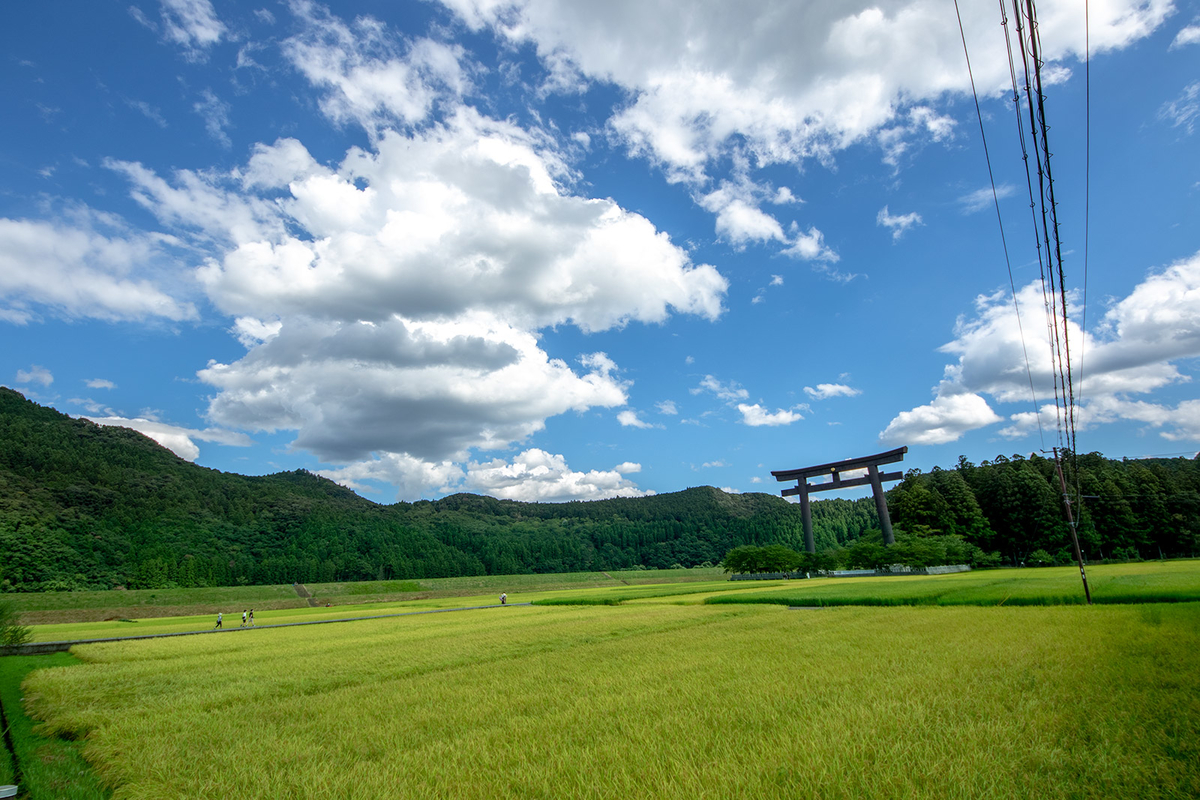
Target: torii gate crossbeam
pixel 836 468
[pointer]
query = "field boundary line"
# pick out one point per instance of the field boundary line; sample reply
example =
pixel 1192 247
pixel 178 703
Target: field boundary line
pixel 40 648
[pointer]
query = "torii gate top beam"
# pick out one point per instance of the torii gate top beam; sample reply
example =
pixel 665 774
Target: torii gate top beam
pixel 890 457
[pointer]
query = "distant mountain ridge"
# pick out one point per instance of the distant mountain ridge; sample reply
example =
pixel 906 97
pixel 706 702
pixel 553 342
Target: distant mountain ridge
pixel 87 506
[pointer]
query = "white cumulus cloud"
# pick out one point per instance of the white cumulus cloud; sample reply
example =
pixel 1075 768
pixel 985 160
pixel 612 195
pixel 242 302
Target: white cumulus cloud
pixel 370 76
pixel 756 415
pixel 946 419
pixel 898 223
pixel 191 24
pixel 1133 351
pixel 1184 110
pixel 433 390
pixel 826 390
pixel 82 270
pixel 728 392
pixel 177 439
pixel 459 218
pixel 390 304
pixel 35 374
pixel 1187 35
pixel 630 419
pixel 786 81
pixel 984 198
pixel 538 476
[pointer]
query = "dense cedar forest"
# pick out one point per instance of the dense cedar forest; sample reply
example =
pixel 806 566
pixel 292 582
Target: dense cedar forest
pixel 90 507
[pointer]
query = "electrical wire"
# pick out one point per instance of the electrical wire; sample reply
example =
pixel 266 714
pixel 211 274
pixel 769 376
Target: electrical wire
pixel 1051 231
pixel 1087 201
pixel 1033 203
pixel 1054 297
pixel 1000 221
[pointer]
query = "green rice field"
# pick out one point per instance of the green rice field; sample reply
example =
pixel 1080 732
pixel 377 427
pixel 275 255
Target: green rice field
pixel 667 690
pixel 141 604
pixel 1173 581
pixel 1148 582
pixel 651 701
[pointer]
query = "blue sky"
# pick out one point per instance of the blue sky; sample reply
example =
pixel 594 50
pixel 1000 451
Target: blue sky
pixel 554 251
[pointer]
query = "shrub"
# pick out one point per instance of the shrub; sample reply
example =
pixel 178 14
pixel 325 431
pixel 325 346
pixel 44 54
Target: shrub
pixel 12 632
pixel 1039 558
pixel 982 560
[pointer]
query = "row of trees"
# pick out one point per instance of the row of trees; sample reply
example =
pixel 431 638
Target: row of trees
pixel 1125 510
pixel 1010 511
pixel 89 507
pixel 866 552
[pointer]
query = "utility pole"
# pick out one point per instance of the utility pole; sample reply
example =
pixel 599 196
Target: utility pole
pixel 1071 521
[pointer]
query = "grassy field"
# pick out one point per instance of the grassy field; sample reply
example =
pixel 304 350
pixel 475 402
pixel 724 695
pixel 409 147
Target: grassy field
pixel 72 607
pixel 74 631
pixel 52 607
pixel 675 592
pixel 1177 581
pixel 652 701
pixel 1149 582
pixel 494 584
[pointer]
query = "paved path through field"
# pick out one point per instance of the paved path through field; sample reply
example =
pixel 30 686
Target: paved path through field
pixel 38 648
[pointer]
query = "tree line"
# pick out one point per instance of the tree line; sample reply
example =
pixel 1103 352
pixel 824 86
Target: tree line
pixel 1124 509
pixel 90 507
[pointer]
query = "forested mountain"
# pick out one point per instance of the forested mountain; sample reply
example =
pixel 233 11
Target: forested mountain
pixel 1143 508
pixel 85 506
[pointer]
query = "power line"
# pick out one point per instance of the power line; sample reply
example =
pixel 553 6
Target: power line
pixel 1033 205
pixel 1087 203
pixel 1000 221
pixel 1064 348
pixel 1054 297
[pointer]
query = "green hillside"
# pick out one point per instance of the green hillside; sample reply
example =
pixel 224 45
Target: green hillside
pixel 87 506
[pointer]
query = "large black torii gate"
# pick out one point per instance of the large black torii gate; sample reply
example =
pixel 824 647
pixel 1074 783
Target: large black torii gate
pixel 836 468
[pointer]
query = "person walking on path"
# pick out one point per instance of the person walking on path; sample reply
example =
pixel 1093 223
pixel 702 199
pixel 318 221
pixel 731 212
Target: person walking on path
pixel 503 598
pixel 243 618
pixel 218 620
pixel 252 618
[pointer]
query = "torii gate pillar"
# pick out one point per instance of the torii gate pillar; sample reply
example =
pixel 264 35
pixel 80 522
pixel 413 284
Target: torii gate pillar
pixel 874 477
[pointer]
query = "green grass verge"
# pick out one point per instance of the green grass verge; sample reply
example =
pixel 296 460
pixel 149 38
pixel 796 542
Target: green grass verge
pixel 1148 582
pixel 50 766
pixel 8 775
pixel 656 701
pixel 610 596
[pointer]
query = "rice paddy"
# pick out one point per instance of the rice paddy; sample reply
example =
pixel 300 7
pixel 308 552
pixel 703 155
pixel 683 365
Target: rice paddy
pixel 1149 582
pixel 662 696
pixel 651 701
pixel 52 608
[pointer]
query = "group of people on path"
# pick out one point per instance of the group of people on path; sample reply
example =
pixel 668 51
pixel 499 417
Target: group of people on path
pixel 247 619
